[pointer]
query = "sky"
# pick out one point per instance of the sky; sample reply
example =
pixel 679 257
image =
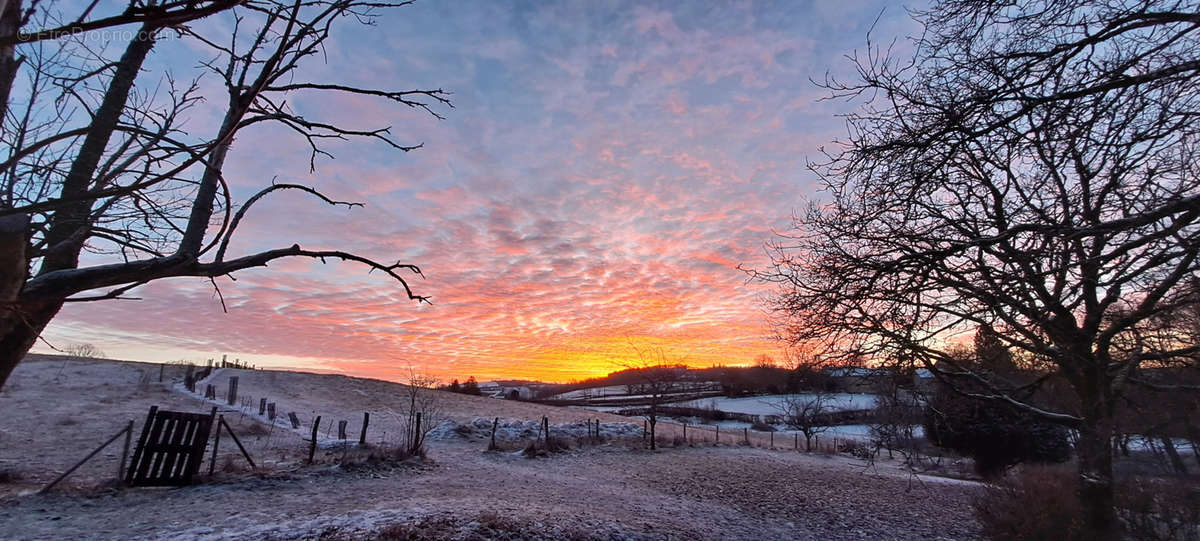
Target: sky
pixel 606 168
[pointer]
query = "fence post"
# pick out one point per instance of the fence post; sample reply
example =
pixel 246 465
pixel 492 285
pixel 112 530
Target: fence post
pixel 125 452
pixel 233 385
pixel 772 440
pixel 495 423
pixel 746 434
pixel 718 434
pixel 212 463
pixel 342 429
pixel 312 446
pixel 262 406
pixel 362 438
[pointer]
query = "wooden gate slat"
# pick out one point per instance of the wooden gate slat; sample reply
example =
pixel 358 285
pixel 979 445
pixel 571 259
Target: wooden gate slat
pixel 186 452
pixel 199 444
pixel 148 457
pixel 171 448
pixel 141 445
pixel 159 456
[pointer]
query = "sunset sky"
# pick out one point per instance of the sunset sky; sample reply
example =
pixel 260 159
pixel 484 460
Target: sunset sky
pixel 606 168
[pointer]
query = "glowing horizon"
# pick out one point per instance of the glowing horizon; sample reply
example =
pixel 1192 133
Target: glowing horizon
pixel 605 171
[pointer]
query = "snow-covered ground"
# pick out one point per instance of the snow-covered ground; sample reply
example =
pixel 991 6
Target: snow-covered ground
pixel 772 404
pixel 60 410
pixel 620 392
pixel 593 392
pixel 513 430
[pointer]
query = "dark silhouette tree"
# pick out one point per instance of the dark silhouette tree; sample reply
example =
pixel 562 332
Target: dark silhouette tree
pixel 1031 168
pixel 656 378
pixel 807 413
pixel 97 159
pixel 471 387
pixel 995 434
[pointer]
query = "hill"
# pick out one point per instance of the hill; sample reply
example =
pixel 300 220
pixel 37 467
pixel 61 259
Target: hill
pixel 59 409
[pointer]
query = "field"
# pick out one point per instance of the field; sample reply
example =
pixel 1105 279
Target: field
pixel 772 404
pixel 58 410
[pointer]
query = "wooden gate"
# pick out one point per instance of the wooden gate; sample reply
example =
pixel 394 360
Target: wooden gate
pixel 171 448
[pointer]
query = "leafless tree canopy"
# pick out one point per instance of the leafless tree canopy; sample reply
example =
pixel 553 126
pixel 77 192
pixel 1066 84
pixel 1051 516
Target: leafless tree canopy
pixel 808 413
pixel 1031 170
pixel 98 158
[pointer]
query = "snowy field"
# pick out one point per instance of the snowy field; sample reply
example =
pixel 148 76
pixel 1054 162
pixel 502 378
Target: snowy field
pixel 620 392
pixel 593 392
pixel 59 410
pixel 772 404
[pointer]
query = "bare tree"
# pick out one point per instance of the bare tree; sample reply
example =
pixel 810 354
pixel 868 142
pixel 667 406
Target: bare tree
pixel 423 412
pixel 808 413
pixel 892 426
pixel 97 158
pixel 86 350
pixel 1032 169
pixel 658 378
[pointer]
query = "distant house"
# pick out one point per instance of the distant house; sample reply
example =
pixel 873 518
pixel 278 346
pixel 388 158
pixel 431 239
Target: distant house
pixel 489 388
pixel 924 380
pixel 507 390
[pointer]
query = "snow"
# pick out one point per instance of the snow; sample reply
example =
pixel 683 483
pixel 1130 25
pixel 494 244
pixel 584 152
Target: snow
pixel 521 429
pixel 772 404
pixel 609 490
pixel 592 392
pixel 1138 442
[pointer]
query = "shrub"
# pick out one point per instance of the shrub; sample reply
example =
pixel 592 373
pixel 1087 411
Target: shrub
pixel 996 435
pixel 761 427
pixel 1159 509
pixel 1038 503
pixel 9 476
pixel 854 448
pixel 1041 502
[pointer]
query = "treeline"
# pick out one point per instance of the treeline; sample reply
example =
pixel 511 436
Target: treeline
pixel 762 378
pixel 470 387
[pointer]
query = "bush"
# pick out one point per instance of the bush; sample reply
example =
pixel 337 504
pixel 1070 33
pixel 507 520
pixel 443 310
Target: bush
pixel 854 448
pixel 996 435
pixel 1041 502
pixel 9 476
pixel 1154 509
pixel 761 427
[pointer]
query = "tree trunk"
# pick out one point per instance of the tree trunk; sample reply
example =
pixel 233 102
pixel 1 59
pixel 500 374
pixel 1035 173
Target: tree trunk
pixel 1173 455
pixel 1095 468
pixel 23 323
